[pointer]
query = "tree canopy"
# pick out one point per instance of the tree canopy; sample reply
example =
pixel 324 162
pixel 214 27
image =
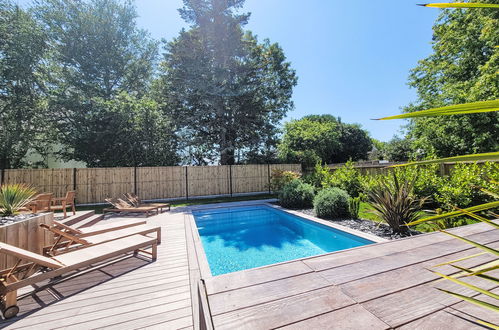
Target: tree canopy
pixel 462 68
pixel 100 69
pixel 325 138
pixel 22 109
pixel 226 90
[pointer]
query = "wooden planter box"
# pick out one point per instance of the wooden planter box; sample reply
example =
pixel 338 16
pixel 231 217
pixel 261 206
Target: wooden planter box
pixel 27 235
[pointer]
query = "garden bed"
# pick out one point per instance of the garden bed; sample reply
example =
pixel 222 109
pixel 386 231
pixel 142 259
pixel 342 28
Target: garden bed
pixel 367 226
pixel 24 231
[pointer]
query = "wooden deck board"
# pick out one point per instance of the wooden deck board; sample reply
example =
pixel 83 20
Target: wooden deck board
pixel 375 287
pixel 129 293
pixel 388 283
pixel 284 311
pixel 352 317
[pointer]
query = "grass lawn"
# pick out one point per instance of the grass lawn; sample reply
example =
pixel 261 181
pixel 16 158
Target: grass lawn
pixel 98 208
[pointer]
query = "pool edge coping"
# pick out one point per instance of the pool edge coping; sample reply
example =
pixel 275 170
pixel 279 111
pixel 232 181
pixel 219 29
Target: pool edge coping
pixel 204 266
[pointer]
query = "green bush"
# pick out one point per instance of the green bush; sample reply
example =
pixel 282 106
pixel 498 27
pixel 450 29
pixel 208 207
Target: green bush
pixel 425 181
pixel 346 178
pixel 296 194
pixel 280 178
pixel 462 188
pixel 331 203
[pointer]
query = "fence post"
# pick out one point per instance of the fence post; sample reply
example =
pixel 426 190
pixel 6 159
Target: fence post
pixel 186 184
pixel 230 180
pixel 74 183
pixel 268 177
pixel 135 190
pixel 2 176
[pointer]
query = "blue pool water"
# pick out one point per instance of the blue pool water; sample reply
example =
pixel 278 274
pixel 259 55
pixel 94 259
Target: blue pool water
pixel 240 238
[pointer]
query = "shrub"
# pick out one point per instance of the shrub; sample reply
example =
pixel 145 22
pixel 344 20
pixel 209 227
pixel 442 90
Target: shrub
pixel 354 207
pixel 395 202
pixel 319 176
pixel 13 197
pixel 463 187
pixel 331 203
pixel 346 178
pixel 280 178
pixel 425 179
pixel 296 194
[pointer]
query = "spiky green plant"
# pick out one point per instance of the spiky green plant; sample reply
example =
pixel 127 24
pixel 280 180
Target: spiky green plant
pixel 13 197
pixel 394 202
pixel 354 207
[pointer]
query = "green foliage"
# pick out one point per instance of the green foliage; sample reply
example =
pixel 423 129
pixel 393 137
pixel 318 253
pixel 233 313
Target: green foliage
pixel 280 178
pixel 99 70
pixel 13 197
pixel 332 203
pixel 22 110
pixel 463 187
pixel 398 149
pixel 135 132
pixel 354 207
pixel 395 203
pixel 319 176
pixel 330 139
pixel 461 69
pixel 296 194
pixel 346 178
pixel 226 90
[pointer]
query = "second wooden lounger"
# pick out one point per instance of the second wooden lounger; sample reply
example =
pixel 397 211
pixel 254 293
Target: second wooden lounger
pixel 28 269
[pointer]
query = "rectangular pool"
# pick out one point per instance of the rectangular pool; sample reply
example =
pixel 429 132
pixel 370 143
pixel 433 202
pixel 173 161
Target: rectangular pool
pixel 241 238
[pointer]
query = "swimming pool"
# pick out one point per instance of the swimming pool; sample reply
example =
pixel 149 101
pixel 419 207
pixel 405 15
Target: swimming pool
pixel 241 238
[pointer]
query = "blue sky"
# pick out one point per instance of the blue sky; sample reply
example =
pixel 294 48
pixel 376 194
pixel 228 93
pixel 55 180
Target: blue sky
pixel 352 57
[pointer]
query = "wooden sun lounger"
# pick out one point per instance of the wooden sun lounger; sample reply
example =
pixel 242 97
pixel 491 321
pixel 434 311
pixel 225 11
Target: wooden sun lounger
pixel 100 228
pixel 67 241
pixel 140 209
pixel 28 273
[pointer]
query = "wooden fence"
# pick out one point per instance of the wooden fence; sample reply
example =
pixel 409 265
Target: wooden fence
pixel 93 185
pixel 374 167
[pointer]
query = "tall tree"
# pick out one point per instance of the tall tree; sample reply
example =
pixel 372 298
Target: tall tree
pixel 101 60
pixel 225 90
pixel 22 111
pixel 324 137
pixel 462 68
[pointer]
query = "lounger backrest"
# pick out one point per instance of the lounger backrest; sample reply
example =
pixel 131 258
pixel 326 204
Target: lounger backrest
pixel 29 256
pixel 66 228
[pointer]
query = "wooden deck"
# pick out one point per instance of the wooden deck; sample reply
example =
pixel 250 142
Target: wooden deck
pixel 131 293
pixel 383 286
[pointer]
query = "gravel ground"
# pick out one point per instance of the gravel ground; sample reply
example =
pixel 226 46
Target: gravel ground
pixel 15 218
pixel 379 229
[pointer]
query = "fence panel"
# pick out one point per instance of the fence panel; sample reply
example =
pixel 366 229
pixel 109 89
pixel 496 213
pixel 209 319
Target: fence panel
pixel 160 182
pixel 249 178
pixel 94 185
pixel 208 180
pixel 57 181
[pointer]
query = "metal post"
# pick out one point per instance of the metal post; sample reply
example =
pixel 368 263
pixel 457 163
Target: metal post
pixel 135 190
pixel 74 179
